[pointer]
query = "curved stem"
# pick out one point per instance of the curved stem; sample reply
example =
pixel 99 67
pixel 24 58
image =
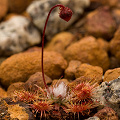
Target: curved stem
pixel 59 5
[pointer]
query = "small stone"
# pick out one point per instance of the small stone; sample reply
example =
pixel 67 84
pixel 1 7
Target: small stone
pixel 38 10
pixel 19 67
pixel 93 72
pixel 93 118
pixel 113 96
pixel 71 69
pixel 17 34
pixel 36 80
pixel 103 44
pixel 111 74
pixel 99 93
pixel 108 94
pixel 15 87
pixel 100 23
pixel 87 50
pixel 107 113
pixel 3 8
pixel 60 42
pixel 18 6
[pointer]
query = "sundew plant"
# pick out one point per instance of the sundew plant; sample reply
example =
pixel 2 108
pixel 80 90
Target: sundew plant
pixel 59 98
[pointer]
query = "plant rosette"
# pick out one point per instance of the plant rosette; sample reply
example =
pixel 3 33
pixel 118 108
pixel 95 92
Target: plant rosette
pixel 58 95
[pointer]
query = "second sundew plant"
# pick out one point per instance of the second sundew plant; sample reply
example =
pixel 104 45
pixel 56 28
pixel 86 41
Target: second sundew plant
pixel 60 98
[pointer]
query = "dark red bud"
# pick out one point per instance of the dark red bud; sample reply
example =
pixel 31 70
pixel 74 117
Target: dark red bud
pixel 65 13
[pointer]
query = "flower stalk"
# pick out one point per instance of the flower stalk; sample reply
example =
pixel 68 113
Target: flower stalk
pixel 65 14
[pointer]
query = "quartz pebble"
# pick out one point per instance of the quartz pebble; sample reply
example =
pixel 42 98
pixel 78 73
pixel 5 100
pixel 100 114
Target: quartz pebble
pixel 93 118
pixel 16 35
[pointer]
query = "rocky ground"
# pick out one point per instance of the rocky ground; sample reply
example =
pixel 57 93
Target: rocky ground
pixel 81 60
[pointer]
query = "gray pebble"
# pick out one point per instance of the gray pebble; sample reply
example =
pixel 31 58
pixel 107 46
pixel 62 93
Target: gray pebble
pixel 16 35
pixel 93 118
pixel 108 94
pixel 38 10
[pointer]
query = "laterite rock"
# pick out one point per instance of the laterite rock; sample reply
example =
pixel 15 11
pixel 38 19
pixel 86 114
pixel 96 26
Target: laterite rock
pixel 19 67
